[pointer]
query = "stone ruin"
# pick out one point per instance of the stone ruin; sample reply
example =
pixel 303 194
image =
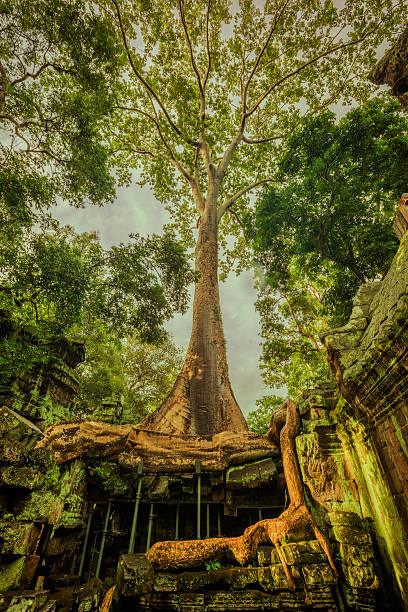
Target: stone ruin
pixel 97 515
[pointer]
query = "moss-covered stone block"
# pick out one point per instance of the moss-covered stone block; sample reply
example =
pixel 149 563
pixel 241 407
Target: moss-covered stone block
pixel 273 578
pixel 344 519
pixel 263 555
pixel 241 577
pixel 90 595
pixel 179 602
pixel 134 575
pixel 350 535
pixel 317 574
pixel 251 475
pixel 42 507
pixel 166 583
pixel 11 573
pixel 356 555
pixel 302 553
pixel 361 576
pixel 242 600
pixel 29 601
pixel 17 538
pixel 21 477
pixel 193 581
pixel 12 451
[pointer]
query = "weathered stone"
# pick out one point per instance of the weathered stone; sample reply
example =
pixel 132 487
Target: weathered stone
pixel 230 600
pixel 273 578
pixel 12 451
pixel 302 553
pixel 251 475
pixel 28 601
pixel 316 574
pixel 90 596
pixel 345 519
pixel 42 507
pixel 165 582
pixel 361 576
pixel 17 538
pixel 134 575
pixel 21 477
pixel 193 581
pixel 179 602
pixel 10 574
pixel 263 555
pixel 352 536
pixel 356 555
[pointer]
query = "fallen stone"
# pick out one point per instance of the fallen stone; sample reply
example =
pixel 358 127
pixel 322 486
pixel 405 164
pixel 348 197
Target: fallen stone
pixel 251 475
pixel 134 575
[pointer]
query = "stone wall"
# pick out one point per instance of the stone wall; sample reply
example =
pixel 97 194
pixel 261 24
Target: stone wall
pixel 354 449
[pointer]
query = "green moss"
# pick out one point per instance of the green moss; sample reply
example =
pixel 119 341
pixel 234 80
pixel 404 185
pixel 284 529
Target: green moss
pixel 10 574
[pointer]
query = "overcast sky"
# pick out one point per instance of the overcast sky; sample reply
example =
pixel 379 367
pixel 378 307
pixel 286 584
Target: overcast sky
pixel 136 210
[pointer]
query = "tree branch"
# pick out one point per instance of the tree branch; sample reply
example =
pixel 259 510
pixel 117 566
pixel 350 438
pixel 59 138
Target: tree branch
pixel 309 63
pixel 3 84
pixel 298 326
pixel 260 54
pixel 198 197
pixel 207 42
pixel 181 5
pixel 29 75
pixel 228 203
pixel 140 77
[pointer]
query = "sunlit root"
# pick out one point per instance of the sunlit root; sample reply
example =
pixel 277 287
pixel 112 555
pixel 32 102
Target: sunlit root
pixel 296 519
pixel 107 600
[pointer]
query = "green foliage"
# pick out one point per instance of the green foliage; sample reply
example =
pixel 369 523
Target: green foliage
pixel 340 184
pixel 325 230
pixel 109 475
pixel 59 64
pixel 258 420
pixel 212 564
pixel 56 279
pixel 138 374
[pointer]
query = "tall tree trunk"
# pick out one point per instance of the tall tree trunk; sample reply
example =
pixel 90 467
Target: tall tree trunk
pixel 201 401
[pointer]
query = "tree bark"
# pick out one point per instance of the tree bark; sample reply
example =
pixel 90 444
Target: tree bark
pixel 296 519
pixel 202 402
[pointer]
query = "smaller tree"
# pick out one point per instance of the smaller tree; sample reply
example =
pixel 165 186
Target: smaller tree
pixel 259 419
pixel 332 216
pixel 293 358
pixel 62 283
pixel 57 279
pixel 136 373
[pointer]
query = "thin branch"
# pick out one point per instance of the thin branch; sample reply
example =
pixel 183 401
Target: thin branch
pixel 238 220
pixel 260 54
pixel 29 75
pixel 207 43
pixel 140 77
pixel 193 183
pixel 261 140
pixel 3 84
pixel 192 59
pixel 309 63
pixel 299 327
pixel 132 150
pixel 228 203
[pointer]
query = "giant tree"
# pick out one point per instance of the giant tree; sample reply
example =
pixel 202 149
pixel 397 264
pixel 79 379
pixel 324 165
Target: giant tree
pixel 205 97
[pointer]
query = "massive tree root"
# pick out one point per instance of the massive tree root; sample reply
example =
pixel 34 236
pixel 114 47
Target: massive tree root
pixel 294 521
